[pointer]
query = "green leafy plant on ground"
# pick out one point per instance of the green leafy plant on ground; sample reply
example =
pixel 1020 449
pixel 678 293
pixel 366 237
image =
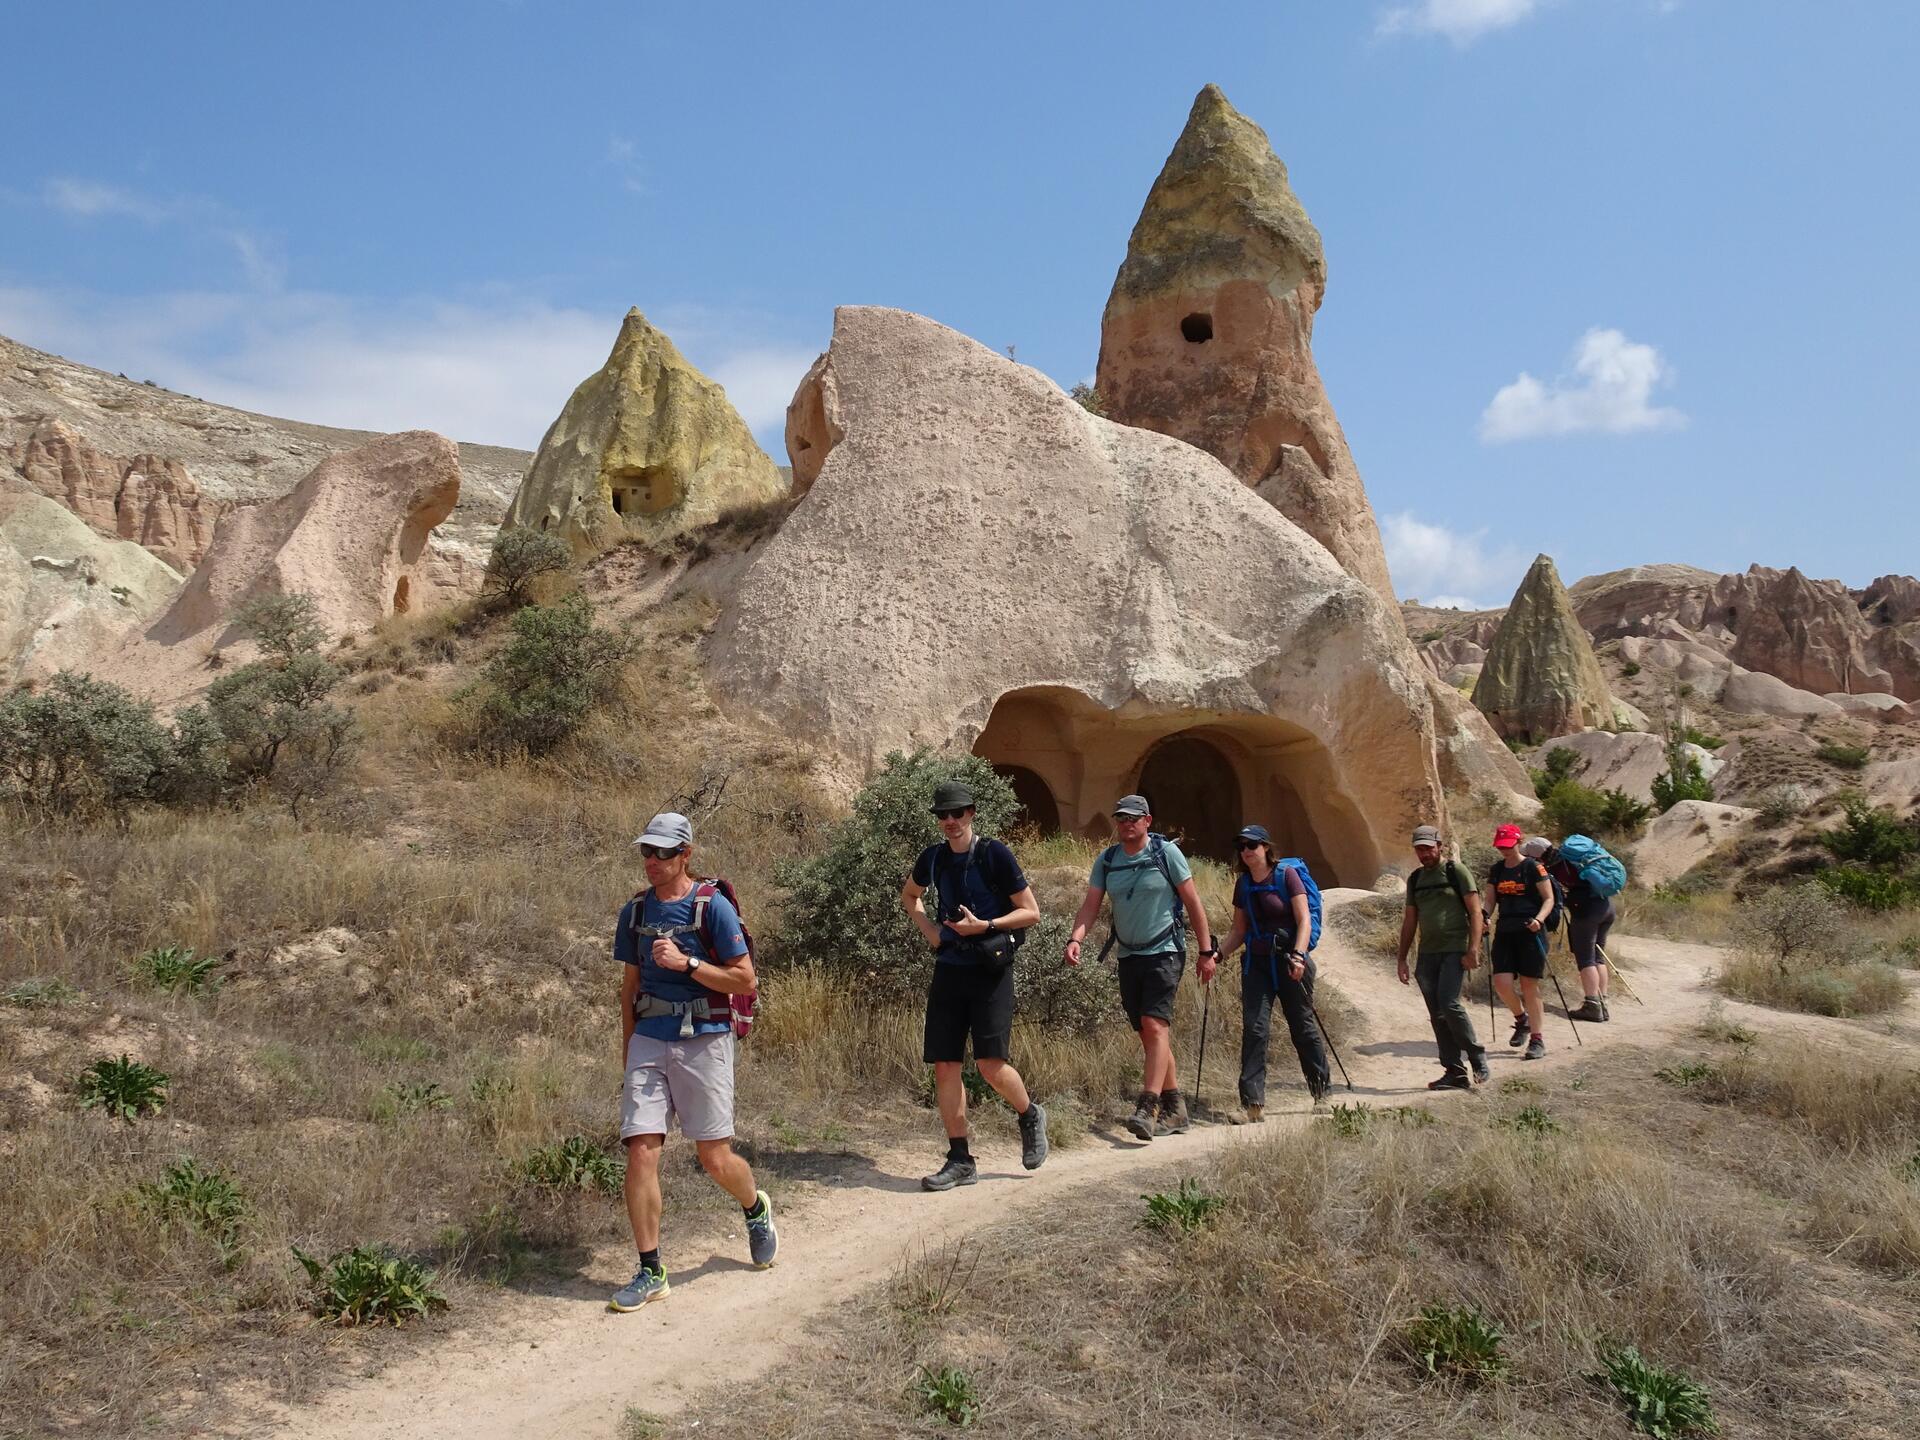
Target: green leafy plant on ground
pixel 1186 1208
pixel 124 1088
pixel 366 1286
pixel 1350 1122
pixel 1531 1120
pixel 1570 808
pixel 1691 1072
pixel 1088 398
pixel 42 992
pixel 410 1097
pixel 205 1200
pixel 1660 1402
pixel 83 747
pixel 175 968
pixel 948 1392
pixel 1844 757
pixel 1455 1342
pixel 1557 765
pixel 575 1163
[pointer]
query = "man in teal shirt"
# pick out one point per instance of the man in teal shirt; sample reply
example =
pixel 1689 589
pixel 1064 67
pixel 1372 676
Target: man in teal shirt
pixel 1149 882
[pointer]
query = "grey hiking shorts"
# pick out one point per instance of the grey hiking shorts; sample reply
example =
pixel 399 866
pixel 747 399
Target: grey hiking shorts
pixel 691 1079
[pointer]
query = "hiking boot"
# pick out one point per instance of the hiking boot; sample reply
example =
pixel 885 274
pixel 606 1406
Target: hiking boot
pixel 1321 1105
pixel 1536 1049
pixel 1140 1123
pixel 1033 1137
pixel 1606 1010
pixel 1174 1119
pixel 1478 1060
pixel 1522 1027
pixel 1246 1115
pixel 763 1241
pixel 1590 1010
pixel 649 1283
pixel 1452 1080
pixel 954 1172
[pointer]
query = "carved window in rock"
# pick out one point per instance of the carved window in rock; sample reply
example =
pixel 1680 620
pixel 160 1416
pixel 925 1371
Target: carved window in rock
pixel 1197 328
pixel 645 490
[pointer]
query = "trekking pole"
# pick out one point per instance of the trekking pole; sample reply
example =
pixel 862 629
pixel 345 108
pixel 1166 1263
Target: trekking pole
pixel 1315 1009
pixel 1206 1010
pixel 1486 954
pixel 1614 971
pixel 1554 976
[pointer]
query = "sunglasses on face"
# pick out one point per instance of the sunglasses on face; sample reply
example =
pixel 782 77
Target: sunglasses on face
pixel 1129 819
pixel 1253 844
pixel 949 814
pixel 661 852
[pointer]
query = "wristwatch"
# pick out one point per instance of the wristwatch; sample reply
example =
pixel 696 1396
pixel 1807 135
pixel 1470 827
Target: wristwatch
pixel 693 963
pixel 1211 950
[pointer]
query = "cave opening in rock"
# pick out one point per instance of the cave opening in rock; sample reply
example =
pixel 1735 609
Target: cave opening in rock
pixel 1194 794
pixel 1038 810
pixel 401 599
pixel 1197 328
pixel 646 490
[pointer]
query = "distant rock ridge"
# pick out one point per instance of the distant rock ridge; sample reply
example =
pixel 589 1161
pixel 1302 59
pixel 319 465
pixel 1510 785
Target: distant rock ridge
pixel 647 446
pixel 1208 333
pixel 1541 677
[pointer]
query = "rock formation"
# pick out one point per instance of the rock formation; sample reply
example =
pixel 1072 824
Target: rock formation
pixel 1541 677
pixel 1208 333
pixel 646 446
pixel 1628 761
pixel 1008 571
pixel 148 499
pixel 353 535
pixel 68 594
pixel 1684 836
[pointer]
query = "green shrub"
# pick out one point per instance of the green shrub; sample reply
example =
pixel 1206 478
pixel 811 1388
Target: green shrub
pixel 1844 757
pixel 843 908
pixel 1531 1120
pixel 1350 1122
pixel 1781 803
pixel 1455 1342
pixel 949 1393
pixel 1560 765
pixel 1689 1073
pixel 1660 1402
pixel 1089 399
pixel 1186 1208
pixel 411 1097
pixel 1698 737
pixel 575 1163
pixel 1869 889
pixel 365 1286
pixel 175 968
pixel 82 746
pixel 125 1088
pixel 1681 780
pixel 42 992
pixel 1630 669
pixel 273 712
pixel 1870 834
pixel 204 1200
pixel 542 686
pixel 520 557
pixel 1621 814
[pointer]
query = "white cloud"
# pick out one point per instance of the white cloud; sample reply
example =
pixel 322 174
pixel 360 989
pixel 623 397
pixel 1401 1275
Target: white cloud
pixel 624 156
pixel 1447 567
pixel 1461 21
pixel 90 200
pixel 1609 392
pixel 85 200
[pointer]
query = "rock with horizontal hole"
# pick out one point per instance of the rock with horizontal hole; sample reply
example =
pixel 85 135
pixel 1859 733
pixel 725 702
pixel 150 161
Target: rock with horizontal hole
pixel 647 448
pixel 1208 333
pixel 995 567
pixel 1541 677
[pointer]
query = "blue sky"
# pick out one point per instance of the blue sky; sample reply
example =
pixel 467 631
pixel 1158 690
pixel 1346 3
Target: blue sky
pixel 1621 280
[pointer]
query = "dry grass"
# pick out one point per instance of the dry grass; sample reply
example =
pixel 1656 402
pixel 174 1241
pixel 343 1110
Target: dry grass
pixel 1839 988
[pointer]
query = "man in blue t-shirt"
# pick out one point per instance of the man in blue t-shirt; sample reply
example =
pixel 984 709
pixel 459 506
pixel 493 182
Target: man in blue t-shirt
pixel 1150 883
pixel 984 901
pixel 682 953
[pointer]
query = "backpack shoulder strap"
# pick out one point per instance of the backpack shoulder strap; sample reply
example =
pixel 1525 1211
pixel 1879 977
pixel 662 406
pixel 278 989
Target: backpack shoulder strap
pixel 1457 877
pixel 703 894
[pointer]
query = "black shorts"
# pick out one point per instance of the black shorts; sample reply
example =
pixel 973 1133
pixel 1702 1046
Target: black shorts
pixel 1148 983
pixel 1520 952
pixel 969 999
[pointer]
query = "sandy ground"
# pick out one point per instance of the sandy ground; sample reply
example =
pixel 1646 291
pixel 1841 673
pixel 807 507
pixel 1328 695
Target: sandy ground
pixel 544 1365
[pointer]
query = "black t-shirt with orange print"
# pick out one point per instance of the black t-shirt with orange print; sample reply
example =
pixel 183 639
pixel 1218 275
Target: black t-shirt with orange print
pixel 1516 893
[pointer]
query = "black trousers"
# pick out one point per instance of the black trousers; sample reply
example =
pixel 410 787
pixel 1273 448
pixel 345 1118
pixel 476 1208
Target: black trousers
pixel 1440 977
pixel 1257 994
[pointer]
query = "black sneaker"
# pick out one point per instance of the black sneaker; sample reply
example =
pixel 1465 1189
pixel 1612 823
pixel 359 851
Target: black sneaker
pixel 1478 1060
pixel 1536 1049
pixel 954 1172
pixel 1174 1119
pixel 1522 1027
pixel 1140 1123
pixel 1452 1080
pixel 1033 1137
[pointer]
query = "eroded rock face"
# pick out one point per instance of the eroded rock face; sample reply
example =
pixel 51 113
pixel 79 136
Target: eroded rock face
pixel 1208 333
pixel 1541 677
pixel 67 593
pixel 1684 836
pixel 647 446
pixel 1103 649
pixel 148 499
pixel 353 535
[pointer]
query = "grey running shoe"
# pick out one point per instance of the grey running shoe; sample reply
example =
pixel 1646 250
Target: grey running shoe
pixel 1590 1010
pixel 1140 1123
pixel 1175 1121
pixel 1522 1027
pixel 1478 1060
pixel 1536 1049
pixel 763 1241
pixel 647 1285
pixel 954 1172
pixel 1033 1136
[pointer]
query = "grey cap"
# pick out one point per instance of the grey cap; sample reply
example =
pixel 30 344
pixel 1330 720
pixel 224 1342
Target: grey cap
pixel 667 828
pixel 1132 805
pixel 1426 835
pixel 1536 846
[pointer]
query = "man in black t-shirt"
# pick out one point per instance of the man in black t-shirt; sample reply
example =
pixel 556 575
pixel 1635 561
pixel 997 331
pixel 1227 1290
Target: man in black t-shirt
pixel 1521 897
pixel 984 900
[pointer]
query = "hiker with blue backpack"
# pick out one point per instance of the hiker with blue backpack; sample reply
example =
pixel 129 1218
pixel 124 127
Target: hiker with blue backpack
pixel 1520 895
pixel 686 961
pixel 1151 886
pixel 1589 877
pixel 1276 915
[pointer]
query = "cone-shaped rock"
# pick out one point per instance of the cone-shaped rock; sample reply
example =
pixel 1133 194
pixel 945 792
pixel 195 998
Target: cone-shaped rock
pixel 1541 676
pixel 1208 333
pixel 647 446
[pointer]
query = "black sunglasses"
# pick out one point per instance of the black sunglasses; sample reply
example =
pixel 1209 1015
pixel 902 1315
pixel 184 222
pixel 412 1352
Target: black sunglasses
pixel 951 814
pixel 661 852
pixel 1253 844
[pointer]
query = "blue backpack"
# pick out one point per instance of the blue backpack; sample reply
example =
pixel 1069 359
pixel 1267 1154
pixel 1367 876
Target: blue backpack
pixel 1274 885
pixel 1603 874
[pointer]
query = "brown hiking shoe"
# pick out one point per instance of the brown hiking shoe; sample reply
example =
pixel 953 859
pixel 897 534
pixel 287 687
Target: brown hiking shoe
pixel 1247 1115
pixel 1173 1119
pixel 1140 1123
pixel 1590 1010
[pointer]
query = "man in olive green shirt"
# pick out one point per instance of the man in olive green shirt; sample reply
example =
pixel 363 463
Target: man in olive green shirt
pixel 1443 905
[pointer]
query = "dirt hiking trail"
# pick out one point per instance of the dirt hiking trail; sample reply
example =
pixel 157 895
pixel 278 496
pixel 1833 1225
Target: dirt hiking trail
pixel 539 1365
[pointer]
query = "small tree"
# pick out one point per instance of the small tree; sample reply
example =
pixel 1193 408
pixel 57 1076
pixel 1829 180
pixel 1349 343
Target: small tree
pixel 283 626
pixel 279 728
pixel 1681 780
pixel 520 557
pixel 1089 399
pixel 545 683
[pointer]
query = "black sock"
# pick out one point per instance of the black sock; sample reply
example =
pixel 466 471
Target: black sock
pixel 957 1148
pixel 753 1210
pixel 650 1259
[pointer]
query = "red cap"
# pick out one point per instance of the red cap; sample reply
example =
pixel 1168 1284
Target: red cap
pixel 1506 836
